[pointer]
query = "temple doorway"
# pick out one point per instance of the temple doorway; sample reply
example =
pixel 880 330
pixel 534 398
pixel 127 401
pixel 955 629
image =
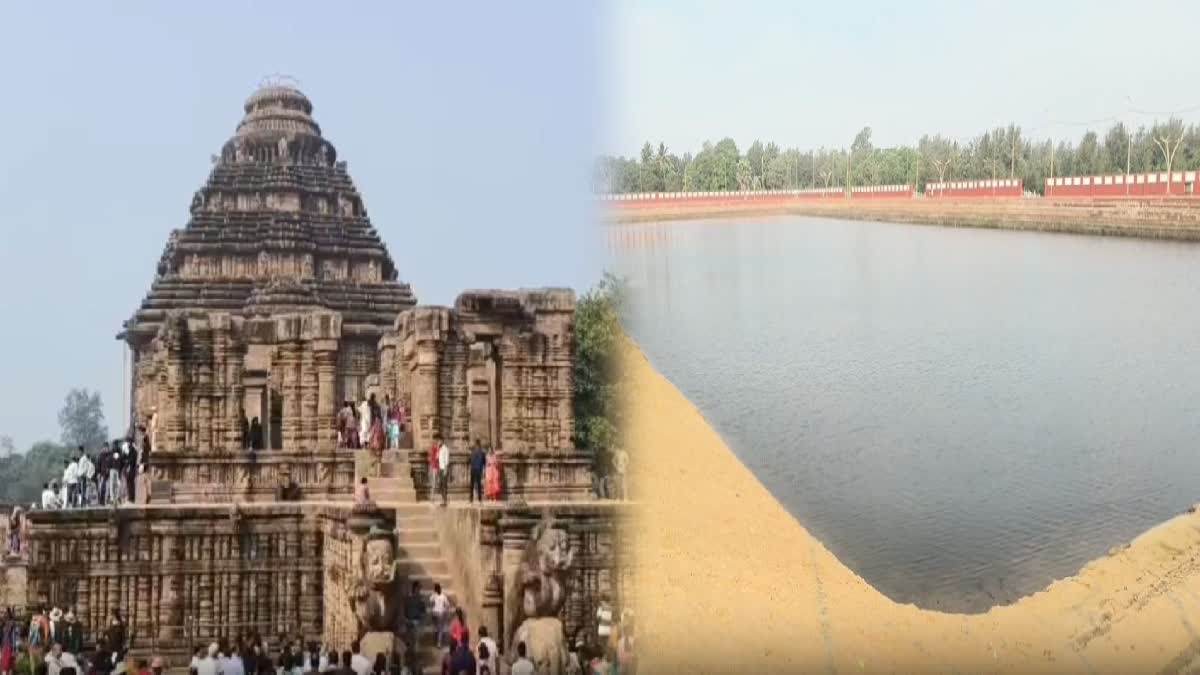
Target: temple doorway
pixel 484 381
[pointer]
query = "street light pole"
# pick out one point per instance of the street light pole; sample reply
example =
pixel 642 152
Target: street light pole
pixel 1128 148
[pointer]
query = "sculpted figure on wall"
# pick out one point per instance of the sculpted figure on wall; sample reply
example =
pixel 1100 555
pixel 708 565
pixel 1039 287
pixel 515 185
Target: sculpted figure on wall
pixel 282 148
pixel 373 592
pixel 542 584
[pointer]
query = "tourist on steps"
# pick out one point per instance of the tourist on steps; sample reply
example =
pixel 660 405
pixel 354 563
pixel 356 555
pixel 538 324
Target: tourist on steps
pixel 392 426
pixel 377 442
pixel 522 666
pixel 444 469
pixel 10 637
pixel 360 664
pixel 434 480
pixel 362 494
pixel 439 610
pixel 458 628
pixel 364 421
pixel 461 658
pixel 489 651
pixel 414 615
pixel 478 464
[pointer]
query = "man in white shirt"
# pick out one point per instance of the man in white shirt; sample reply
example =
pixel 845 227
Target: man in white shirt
pixel 54 660
pixel 209 665
pixel 85 471
pixel 70 478
pixel 49 498
pixel 522 666
pixel 444 469
pixel 439 610
pixel 360 664
pixel 492 648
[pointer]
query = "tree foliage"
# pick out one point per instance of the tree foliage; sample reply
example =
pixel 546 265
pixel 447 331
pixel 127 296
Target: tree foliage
pixel 82 420
pixel 1002 152
pixel 597 330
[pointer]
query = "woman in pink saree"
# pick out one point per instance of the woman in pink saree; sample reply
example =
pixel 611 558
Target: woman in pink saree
pixel 493 476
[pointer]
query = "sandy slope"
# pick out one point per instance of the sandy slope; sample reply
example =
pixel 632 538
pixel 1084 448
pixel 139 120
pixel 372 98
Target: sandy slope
pixel 728 581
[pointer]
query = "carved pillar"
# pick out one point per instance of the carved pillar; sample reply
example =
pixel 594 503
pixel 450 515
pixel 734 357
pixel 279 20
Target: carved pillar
pixel 325 360
pixel 493 606
pixel 234 393
pixel 425 400
pixel 515 537
pixel 289 367
pixel 235 581
pixel 309 386
pixel 171 405
pixel 169 603
pixel 204 418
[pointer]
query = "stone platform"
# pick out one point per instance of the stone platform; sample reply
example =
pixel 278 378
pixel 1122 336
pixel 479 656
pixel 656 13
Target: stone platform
pixel 188 574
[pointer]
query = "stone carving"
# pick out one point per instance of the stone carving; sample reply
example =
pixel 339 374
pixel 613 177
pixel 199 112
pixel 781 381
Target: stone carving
pixel 373 592
pixel 323 155
pixel 240 152
pixel 282 148
pixel 541 582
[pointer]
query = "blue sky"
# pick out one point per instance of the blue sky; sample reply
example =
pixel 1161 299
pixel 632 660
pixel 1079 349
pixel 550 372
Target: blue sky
pixel 446 113
pixel 809 74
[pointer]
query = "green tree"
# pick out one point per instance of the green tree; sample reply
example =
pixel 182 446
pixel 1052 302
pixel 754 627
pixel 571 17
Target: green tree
pixel 82 420
pixel 597 385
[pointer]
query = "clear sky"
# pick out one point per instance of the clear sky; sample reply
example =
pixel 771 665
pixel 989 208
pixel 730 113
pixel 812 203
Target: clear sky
pixel 808 74
pixel 447 113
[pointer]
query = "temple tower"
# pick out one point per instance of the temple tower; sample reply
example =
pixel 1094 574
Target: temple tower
pixel 277 229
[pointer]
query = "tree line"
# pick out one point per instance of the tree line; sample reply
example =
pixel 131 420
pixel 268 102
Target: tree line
pixel 81 423
pixel 1004 152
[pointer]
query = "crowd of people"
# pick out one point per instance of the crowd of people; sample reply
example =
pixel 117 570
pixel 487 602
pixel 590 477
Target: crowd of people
pixel 108 479
pixel 54 642
pixel 370 425
pixel 486 470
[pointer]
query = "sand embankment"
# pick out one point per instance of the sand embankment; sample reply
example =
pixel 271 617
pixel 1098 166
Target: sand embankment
pixel 1149 218
pixel 728 581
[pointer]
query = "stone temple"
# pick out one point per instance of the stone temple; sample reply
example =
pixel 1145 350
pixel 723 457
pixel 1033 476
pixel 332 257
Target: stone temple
pixel 277 301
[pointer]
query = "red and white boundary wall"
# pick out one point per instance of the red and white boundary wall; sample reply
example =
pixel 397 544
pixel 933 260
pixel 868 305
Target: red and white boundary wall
pixel 975 189
pixel 739 196
pixel 881 192
pixel 1181 183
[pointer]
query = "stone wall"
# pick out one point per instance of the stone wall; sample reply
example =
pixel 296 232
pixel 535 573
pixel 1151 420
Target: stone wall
pixel 497 367
pixel 182 575
pixel 340 625
pixel 245 477
pixel 533 476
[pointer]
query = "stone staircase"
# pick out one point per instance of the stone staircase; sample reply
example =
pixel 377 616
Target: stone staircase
pixel 418 544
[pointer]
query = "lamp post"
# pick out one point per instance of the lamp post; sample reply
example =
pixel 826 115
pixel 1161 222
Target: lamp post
pixel 1128 147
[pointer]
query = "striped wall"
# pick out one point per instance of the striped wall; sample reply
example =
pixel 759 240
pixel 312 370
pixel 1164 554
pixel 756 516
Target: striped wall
pixel 1181 183
pixel 975 189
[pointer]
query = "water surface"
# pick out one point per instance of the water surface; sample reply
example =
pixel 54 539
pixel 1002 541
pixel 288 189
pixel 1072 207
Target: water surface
pixel 962 416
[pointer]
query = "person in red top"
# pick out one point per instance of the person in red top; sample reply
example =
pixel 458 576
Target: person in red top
pixel 458 628
pixel 433 469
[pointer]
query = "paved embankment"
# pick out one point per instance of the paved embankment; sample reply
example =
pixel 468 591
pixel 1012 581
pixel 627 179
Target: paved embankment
pixel 1149 218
